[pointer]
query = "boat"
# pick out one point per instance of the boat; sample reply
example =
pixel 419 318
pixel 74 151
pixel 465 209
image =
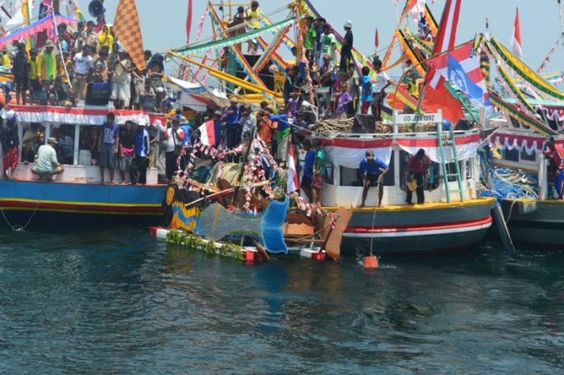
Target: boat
pixel 453 217
pixel 76 197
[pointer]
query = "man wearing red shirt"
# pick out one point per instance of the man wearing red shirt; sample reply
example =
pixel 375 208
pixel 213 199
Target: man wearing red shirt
pixel 555 153
pixel 417 166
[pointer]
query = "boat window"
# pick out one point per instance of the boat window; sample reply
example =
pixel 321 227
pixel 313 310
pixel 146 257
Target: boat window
pixel 88 145
pixel 33 137
pixel 525 156
pixel 350 177
pixel 432 180
pixel 64 134
pixel 511 155
pixel 469 173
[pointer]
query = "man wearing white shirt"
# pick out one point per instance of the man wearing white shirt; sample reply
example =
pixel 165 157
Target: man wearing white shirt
pixel 83 65
pixel 379 87
pixel 47 164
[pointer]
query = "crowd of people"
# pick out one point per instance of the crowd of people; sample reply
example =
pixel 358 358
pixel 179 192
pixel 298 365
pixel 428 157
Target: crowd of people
pixel 83 67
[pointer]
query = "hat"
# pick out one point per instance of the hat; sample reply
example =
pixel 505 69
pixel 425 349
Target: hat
pixel 49 44
pixel 52 141
pixel 348 25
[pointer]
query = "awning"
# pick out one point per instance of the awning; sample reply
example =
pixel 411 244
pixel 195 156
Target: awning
pixel 348 152
pixel 47 24
pixel 82 116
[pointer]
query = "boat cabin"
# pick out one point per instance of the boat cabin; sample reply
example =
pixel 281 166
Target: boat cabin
pixel 346 151
pixel 76 130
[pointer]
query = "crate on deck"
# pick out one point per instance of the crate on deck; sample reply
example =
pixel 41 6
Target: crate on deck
pixel 98 94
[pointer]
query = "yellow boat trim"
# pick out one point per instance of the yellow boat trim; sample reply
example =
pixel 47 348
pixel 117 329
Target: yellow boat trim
pixel 82 203
pixel 422 207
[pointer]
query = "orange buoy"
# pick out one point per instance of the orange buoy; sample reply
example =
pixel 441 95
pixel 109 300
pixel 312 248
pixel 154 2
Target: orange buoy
pixel 319 256
pixel 249 257
pixel 370 262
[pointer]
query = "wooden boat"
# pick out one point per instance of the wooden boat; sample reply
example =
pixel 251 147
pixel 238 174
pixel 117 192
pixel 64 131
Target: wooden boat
pixel 76 197
pixel 452 218
pixel 537 220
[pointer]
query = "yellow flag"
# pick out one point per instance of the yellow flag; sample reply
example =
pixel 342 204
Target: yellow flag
pixel 127 29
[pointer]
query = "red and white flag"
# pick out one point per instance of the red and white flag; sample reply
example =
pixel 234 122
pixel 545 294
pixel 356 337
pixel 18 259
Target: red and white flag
pixel 446 37
pixel 207 133
pixel 293 179
pixel 437 97
pixel 416 8
pixel 516 45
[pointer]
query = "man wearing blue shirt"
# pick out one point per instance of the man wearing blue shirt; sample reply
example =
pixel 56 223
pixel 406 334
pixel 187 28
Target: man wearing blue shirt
pixel 372 172
pixel 140 161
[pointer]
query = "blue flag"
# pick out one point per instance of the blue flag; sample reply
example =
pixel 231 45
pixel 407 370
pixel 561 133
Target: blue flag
pixel 458 77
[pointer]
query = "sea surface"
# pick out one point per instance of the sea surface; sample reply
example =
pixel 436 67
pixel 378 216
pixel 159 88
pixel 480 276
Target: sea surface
pixel 117 302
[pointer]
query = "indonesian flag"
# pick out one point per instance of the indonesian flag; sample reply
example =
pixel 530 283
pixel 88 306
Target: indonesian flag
pixel 516 46
pixel 207 133
pixel 293 180
pixel 437 97
pixel 446 37
pixel 416 8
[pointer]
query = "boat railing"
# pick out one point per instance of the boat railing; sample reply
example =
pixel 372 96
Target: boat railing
pixel 426 134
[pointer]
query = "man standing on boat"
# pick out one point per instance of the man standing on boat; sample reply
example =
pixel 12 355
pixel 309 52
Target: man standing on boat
pixel 47 164
pixel 555 154
pixel 379 87
pixel 107 146
pixel 372 172
pixel 10 142
pixel 417 167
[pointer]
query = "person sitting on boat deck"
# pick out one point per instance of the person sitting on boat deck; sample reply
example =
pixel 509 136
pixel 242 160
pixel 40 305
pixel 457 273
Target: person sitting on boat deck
pixel 417 167
pixel 10 143
pixel 47 165
pixel 555 153
pixel 372 172
pixel 107 146
pixel 307 176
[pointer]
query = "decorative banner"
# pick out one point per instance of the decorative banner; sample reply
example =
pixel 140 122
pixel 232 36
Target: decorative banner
pixel 237 39
pixel 189 22
pixel 546 60
pixel 46 24
pixel 515 90
pixel 128 30
pixel 515 113
pixel 524 71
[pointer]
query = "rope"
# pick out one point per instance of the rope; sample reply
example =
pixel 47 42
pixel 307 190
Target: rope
pixel 19 228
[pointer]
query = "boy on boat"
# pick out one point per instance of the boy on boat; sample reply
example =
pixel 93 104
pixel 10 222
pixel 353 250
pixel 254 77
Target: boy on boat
pixel 372 172
pixel 107 146
pixel 47 164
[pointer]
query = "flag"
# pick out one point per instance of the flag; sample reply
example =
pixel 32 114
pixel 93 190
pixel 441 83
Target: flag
pixel 376 39
pixel 189 22
pixel 466 59
pixel 415 8
pixel 516 46
pixel 458 78
pixel 437 97
pixel 446 37
pixel 208 135
pixel 128 30
pixel 293 180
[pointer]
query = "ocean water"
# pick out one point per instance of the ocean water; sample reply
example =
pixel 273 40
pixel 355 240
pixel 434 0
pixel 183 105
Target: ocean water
pixel 117 302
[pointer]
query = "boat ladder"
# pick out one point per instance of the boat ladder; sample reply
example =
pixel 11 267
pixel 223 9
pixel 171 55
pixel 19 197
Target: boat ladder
pixel 447 139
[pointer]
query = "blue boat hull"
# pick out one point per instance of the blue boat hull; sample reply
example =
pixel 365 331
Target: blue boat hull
pixel 54 204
